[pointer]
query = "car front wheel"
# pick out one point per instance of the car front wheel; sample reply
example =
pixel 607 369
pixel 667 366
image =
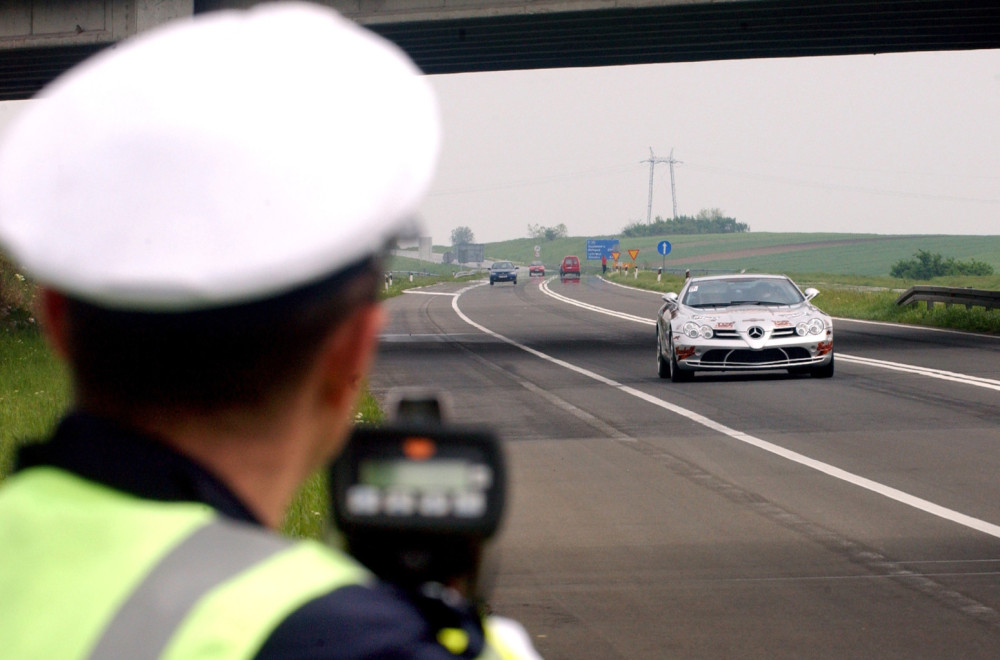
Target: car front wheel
pixel 662 366
pixel 677 375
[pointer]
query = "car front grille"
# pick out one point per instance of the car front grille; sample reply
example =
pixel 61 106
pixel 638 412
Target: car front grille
pixel 745 357
pixel 777 333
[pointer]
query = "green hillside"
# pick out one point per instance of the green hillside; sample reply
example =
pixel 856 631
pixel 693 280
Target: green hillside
pixel 401 265
pixel 864 255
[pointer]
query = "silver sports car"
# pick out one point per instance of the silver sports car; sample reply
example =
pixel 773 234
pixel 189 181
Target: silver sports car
pixel 740 323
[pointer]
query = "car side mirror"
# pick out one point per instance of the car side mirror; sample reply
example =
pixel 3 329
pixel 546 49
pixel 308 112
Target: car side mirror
pixel 670 298
pixel 811 293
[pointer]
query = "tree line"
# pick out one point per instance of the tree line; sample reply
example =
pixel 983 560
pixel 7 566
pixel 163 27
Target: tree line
pixel 708 221
pixel 542 233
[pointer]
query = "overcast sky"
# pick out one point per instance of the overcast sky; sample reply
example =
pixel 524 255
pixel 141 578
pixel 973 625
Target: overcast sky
pixel 899 143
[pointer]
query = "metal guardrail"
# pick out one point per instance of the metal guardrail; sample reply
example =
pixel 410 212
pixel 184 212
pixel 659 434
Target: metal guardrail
pixel 421 273
pixel 950 296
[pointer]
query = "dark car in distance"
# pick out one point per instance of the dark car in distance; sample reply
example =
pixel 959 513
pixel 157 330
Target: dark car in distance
pixel 503 271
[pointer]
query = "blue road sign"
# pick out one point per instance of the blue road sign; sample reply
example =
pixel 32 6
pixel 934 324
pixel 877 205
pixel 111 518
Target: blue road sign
pixel 663 247
pixel 598 246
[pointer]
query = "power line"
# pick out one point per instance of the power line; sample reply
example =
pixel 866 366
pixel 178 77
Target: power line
pixel 839 186
pixel 535 181
pixel 653 160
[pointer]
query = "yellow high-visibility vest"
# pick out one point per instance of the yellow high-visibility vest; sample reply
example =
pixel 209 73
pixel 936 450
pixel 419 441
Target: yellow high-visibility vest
pixel 89 572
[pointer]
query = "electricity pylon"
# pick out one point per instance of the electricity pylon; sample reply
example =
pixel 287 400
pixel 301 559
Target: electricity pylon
pixel 653 160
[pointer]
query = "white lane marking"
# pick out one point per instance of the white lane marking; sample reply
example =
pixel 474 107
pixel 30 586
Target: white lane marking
pixel 824 468
pixel 465 337
pixel 584 416
pixel 594 308
pixel 429 293
pixel 940 374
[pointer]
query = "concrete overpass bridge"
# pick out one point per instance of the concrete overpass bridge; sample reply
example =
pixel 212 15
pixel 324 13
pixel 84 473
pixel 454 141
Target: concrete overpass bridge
pixel 41 38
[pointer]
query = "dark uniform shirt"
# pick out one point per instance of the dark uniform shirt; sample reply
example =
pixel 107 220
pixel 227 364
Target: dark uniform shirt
pixel 378 621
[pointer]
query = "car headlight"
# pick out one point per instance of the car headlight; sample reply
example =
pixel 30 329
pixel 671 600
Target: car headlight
pixel 813 326
pixel 694 330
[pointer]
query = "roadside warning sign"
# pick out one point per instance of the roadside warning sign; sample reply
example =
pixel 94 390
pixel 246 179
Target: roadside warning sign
pixel 633 253
pixel 615 255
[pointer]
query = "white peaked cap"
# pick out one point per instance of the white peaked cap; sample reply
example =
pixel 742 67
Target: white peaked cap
pixel 218 160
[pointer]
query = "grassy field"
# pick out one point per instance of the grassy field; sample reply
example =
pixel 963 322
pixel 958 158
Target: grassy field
pixel 401 265
pixel 34 390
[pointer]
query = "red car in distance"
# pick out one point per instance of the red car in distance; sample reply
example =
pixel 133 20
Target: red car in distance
pixel 536 268
pixel 570 267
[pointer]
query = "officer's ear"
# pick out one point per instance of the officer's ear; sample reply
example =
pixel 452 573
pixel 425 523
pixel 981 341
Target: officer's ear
pixel 349 352
pixel 51 311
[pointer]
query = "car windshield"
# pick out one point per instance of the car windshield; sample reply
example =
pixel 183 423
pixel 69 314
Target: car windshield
pixel 503 265
pixel 742 291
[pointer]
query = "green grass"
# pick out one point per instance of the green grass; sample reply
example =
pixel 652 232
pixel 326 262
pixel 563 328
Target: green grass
pixel 873 257
pixel 309 513
pixel 34 392
pixel 402 267
pixel 880 305
pixel 399 265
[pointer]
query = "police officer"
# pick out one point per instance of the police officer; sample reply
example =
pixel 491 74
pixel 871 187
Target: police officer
pixel 205 207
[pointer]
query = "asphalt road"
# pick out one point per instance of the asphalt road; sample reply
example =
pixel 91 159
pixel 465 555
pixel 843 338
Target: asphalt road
pixel 767 516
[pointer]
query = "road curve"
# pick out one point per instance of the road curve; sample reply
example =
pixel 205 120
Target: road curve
pixel 758 516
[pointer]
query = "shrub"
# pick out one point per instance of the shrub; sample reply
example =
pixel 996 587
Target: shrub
pixel 924 266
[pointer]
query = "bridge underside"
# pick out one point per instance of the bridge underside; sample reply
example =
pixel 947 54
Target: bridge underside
pixel 634 35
